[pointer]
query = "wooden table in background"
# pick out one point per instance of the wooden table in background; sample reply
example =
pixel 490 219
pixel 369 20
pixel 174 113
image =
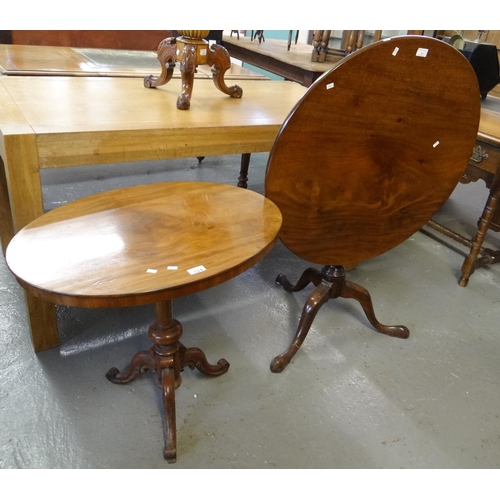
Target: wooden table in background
pixel 486 168
pixel 51 122
pixel 272 55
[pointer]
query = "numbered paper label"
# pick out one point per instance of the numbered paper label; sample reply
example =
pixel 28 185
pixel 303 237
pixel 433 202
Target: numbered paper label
pixel 196 270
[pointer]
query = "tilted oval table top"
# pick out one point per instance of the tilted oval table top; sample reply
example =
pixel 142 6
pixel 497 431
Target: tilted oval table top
pixel 143 244
pixel 373 149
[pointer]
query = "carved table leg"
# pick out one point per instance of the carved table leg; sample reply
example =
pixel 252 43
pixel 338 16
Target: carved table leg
pixel 141 362
pixel 170 431
pixel 218 58
pixel 330 284
pixel 188 68
pixel 166 56
pixel 167 357
pixel 193 357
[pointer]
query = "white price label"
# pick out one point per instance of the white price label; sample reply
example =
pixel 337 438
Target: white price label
pixel 196 270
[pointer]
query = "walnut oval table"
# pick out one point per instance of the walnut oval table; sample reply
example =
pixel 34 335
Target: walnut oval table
pixel 366 157
pixel 147 244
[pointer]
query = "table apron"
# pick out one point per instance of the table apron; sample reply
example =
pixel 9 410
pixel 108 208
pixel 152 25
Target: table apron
pixel 92 148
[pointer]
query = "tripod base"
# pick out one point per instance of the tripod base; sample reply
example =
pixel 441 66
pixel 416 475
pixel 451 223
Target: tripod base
pixel 190 52
pixel 167 357
pixel 330 283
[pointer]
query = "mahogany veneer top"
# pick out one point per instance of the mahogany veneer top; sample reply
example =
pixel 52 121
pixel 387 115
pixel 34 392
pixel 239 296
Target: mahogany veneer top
pixel 373 149
pixel 96 251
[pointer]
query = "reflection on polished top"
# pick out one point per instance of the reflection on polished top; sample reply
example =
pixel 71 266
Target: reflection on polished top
pixel 34 60
pixel 130 245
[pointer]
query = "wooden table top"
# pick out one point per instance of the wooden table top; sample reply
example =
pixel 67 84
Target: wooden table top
pixel 383 149
pixel 94 120
pixel 34 60
pixel 143 244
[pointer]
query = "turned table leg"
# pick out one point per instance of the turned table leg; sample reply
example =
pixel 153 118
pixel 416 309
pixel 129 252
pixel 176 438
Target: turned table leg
pixel 245 163
pixel 472 260
pixel 167 357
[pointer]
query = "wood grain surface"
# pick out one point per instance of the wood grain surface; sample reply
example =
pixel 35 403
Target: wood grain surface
pixel 96 120
pixel 373 149
pixel 100 251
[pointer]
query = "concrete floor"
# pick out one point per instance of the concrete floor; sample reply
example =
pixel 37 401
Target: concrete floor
pixel 351 398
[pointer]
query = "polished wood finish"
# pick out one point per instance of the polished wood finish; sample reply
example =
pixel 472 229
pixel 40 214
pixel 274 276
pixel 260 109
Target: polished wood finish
pixel 190 52
pixel 368 156
pixel 101 256
pixel 167 357
pixel 147 244
pixel 292 64
pixel 330 283
pixel 112 120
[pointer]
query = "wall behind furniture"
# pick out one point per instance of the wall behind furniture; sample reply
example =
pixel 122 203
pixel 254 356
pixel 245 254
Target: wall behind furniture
pixel 99 39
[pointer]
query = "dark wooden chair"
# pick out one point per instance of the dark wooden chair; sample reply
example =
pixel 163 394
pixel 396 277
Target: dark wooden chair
pixel 366 157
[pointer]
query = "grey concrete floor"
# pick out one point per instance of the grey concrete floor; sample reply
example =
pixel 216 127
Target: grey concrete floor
pixel 351 398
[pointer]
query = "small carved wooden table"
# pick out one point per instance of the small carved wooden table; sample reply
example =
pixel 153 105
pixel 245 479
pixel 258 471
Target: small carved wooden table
pixel 191 51
pixel 147 244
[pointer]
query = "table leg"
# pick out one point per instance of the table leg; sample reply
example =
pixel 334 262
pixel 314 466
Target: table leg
pixel 170 430
pixel 188 67
pixel 22 200
pixel 167 357
pixel 219 60
pixel 166 55
pixel 243 178
pixel 6 224
pixel 471 261
pixel 330 284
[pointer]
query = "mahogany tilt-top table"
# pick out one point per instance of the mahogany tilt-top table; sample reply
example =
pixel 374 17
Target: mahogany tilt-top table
pixel 365 159
pixel 147 244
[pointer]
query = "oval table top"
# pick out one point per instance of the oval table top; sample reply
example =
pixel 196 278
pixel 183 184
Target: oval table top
pixel 373 149
pixel 143 244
